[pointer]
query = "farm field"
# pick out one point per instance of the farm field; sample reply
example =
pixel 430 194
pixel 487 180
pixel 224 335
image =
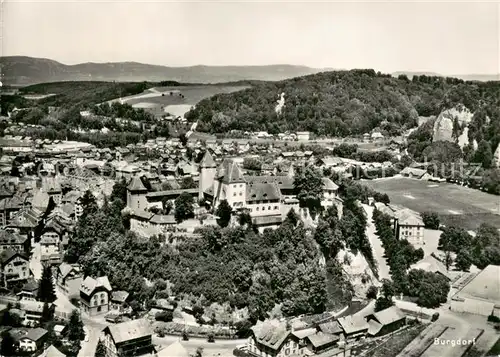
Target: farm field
pixel 456 205
pixel 188 95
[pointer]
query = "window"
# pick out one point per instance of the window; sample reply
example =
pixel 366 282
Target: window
pixel 269 208
pixel 241 185
pixel 257 208
pixel 234 193
pixel 263 208
pixel 275 207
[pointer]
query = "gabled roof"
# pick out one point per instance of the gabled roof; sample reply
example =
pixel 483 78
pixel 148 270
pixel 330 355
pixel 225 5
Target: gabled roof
pixel 120 296
pixel 35 334
pixel 329 184
pixel 11 238
pixel 431 264
pixel 332 327
pixel 271 334
pixel 320 339
pixel 407 217
pixel 129 330
pixel 176 349
pixel 90 284
pixel 136 185
pixel 389 315
pixel 8 254
pixel 51 351
pixel 207 161
pixel 65 269
pixel 353 323
pixel 262 191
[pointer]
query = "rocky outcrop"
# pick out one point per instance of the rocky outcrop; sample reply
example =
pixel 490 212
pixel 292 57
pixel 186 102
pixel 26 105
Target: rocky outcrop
pixel 444 129
pixel 358 272
pixel 496 157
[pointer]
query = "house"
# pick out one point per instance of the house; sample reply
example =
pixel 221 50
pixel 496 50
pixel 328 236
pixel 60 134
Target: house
pixel 480 296
pixel 60 330
pixel 69 278
pixel 321 341
pixel 29 291
pixel 273 339
pixel 414 173
pixel 14 241
pixel 26 221
pixel 385 321
pixel 95 295
pixel 354 326
pixel 303 135
pixel 32 340
pixel 118 299
pixel 433 265
pixel 50 253
pixel 15 267
pixel 409 225
pixel 32 311
pixel 51 351
pixel 132 338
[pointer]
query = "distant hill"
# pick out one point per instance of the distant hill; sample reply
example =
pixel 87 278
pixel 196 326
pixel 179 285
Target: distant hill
pixel 465 77
pixel 20 70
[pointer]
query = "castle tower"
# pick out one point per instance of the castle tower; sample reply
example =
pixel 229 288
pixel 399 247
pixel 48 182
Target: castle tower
pixel 207 174
pixel 136 195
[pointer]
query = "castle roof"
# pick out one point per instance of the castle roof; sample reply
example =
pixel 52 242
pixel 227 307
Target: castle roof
pixel 229 172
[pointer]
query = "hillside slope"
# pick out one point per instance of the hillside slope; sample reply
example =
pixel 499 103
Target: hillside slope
pixel 342 103
pixel 19 70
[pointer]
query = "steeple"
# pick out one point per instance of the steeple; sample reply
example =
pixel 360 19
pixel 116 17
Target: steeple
pixel 136 185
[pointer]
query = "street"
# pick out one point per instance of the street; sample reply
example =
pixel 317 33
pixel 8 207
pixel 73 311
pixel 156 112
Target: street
pixel 378 250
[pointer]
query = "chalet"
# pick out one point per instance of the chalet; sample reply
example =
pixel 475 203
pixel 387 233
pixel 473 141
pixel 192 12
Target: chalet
pixel 385 321
pixel 32 312
pixel 15 267
pixel 272 338
pixel 29 291
pixel 354 326
pixel 69 279
pixel 14 241
pixel 132 338
pixel 32 339
pixel 119 299
pixel 95 295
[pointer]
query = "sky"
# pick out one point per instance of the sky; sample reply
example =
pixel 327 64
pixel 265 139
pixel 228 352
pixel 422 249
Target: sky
pixel 447 38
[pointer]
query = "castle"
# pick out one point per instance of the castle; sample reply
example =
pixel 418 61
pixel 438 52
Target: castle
pixel 267 199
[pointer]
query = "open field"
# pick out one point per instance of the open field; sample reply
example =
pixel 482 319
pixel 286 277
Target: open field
pixel 456 205
pixel 163 96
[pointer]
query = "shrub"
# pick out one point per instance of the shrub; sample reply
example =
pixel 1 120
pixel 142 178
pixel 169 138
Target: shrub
pixel 372 292
pixel 165 316
pixel 493 318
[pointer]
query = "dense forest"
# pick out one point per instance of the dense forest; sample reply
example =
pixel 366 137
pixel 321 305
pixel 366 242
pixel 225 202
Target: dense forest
pixel 342 103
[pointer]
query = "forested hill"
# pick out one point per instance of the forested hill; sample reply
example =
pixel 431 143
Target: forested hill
pixel 342 103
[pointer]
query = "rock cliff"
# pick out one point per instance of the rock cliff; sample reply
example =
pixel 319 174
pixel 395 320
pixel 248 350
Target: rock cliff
pixel 496 157
pixel 444 126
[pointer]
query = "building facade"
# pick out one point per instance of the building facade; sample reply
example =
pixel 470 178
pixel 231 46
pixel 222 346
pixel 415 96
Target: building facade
pixel 95 295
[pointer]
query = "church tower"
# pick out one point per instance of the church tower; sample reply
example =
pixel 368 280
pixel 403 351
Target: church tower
pixel 207 175
pixel 136 195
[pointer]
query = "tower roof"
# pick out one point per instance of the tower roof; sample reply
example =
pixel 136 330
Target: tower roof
pixel 207 161
pixel 136 184
pixel 229 172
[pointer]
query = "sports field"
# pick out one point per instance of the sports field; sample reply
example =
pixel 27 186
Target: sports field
pixel 456 205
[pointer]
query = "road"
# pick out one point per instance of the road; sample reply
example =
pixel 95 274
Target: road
pixel 378 250
pixel 222 348
pixel 35 261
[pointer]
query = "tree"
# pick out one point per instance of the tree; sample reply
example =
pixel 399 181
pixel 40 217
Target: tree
pixel 463 260
pixel 188 182
pixel 7 346
pixel 89 203
pixel 484 154
pixel 46 290
pixel 431 220
pixel 183 139
pixel 47 314
pixel 100 350
pixel 308 183
pixel 372 292
pixel 223 213
pixel 454 239
pixel 76 332
pixel 119 191
pixel 165 316
pixel 184 208
pixel 383 303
